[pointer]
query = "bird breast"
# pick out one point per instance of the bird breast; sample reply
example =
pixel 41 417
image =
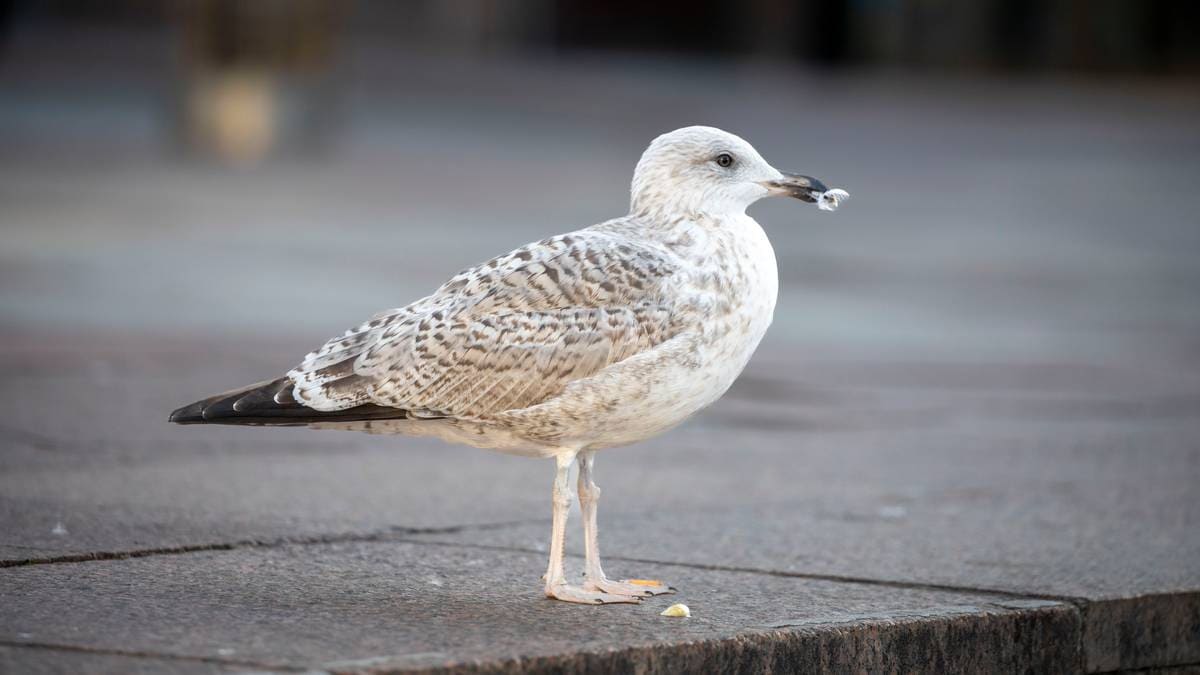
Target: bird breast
pixel 734 285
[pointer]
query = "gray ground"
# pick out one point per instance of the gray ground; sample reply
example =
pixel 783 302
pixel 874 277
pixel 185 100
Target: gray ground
pixel 970 441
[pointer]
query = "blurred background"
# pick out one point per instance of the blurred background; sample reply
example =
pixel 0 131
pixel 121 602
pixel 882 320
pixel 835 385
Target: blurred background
pixel 232 182
pixel 984 370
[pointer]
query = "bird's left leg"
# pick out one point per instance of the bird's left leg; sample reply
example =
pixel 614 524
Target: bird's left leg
pixel 594 579
pixel 556 583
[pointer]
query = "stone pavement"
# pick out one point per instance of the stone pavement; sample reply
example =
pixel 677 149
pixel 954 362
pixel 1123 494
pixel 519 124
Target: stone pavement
pixel 970 443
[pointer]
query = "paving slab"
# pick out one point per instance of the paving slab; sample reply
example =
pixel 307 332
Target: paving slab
pixel 1023 487
pixel 28 659
pixel 388 606
pixel 981 376
pixel 1029 511
pixel 1103 516
pixel 113 476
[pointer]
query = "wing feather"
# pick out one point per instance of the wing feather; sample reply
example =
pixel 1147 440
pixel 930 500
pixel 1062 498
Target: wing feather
pixel 508 334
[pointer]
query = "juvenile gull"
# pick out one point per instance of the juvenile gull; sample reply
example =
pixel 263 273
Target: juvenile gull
pixel 598 338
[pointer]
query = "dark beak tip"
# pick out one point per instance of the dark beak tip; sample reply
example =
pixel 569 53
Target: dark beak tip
pixel 807 189
pixel 798 186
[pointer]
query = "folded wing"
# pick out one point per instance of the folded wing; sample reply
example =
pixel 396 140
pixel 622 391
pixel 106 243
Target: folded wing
pixel 507 334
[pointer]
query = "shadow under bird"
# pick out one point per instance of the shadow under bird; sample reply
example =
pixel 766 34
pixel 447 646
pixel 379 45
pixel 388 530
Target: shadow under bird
pixel 597 338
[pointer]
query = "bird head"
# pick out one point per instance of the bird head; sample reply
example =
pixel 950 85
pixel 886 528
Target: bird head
pixel 707 170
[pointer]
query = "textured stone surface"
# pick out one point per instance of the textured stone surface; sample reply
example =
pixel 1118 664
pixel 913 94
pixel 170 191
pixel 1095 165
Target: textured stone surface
pixel 983 374
pixel 1171 670
pixel 1080 514
pixel 1141 632
pixel 357 605
pixel 39 660
pixel 1102 515
pixel 831 452
pixel 961 486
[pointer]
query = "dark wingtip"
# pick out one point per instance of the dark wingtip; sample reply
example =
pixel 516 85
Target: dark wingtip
pixel 258 405
pixel 188 414
pixel 216 408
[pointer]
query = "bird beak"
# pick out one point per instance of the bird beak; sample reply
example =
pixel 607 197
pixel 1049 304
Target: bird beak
pixel 804 188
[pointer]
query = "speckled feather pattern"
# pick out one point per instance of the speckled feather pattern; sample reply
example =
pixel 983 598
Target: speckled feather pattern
pixel 504 335
pixel 599 337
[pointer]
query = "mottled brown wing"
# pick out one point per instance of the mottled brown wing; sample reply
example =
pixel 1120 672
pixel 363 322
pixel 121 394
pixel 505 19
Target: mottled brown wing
pixel 474 368
pixel 505 334
pixel 510 361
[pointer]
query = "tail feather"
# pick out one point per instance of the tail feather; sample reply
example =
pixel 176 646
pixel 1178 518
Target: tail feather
pixel 271 403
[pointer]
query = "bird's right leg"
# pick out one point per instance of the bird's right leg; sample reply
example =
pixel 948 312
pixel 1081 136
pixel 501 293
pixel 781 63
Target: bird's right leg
pixel 556 583
pixel 593 574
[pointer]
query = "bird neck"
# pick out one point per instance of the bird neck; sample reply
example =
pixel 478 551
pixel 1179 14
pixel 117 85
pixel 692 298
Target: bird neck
pixel 702 236
pixel 664 198
pixel 668 211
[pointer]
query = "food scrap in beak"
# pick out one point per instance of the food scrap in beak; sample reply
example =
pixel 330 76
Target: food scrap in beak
pixel 808 189
pixel 831 199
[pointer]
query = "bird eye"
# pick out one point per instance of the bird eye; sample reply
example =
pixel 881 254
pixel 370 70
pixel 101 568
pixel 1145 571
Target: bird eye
pixel 724 160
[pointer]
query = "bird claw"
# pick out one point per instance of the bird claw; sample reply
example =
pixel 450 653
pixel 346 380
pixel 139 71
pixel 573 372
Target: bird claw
pixel 588 596
pixel 640 588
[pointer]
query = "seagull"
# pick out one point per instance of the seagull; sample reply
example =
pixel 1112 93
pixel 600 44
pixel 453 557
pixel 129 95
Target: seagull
pixel 597 338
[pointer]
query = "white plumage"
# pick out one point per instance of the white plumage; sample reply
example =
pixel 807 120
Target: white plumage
pixel 600 337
